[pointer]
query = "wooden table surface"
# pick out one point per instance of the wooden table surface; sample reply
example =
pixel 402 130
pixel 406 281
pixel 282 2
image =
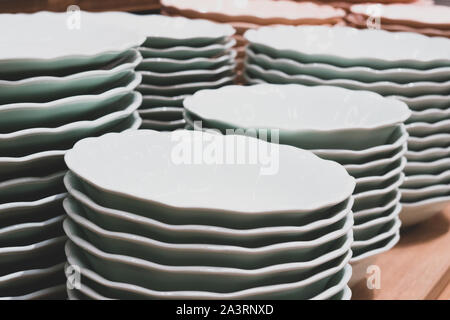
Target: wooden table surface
pixel 14 6
pixel 418 267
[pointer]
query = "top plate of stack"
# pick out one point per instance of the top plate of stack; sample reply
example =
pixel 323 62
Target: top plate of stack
pixel 251 14
pixel 57 85
pixel 428 20
pixel 180 56
pixel 407 66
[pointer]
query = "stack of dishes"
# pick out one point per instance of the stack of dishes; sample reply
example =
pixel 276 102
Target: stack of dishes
pixel 251 14
pixel 147 220
pixel 57 86
pixel 180 56
pixel 411 67
pixel 361 130
pixel 346 4
pixel 427 20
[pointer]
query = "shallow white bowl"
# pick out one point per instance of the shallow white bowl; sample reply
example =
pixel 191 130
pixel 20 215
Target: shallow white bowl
pixel 416 212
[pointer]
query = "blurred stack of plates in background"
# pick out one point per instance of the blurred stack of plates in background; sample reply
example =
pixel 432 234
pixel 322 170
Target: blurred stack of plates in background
pixel 407 66
pixel 58 84
pixel 251 14
pixel 432 21
pixel 361 130
pixel 374 4
pixel 180 56
pixel 165 227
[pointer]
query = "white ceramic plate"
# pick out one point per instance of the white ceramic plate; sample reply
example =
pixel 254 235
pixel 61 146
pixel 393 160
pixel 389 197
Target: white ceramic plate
pixel 397 139
pixel 47 88
pixel 87 160
pixel 124 290
pixel 31 45
pixel 143 267
pixel 23 187
pixel 390 201
pixel 29 277
pixel 163 125
pixel 425 101
pixel 428 155
pixel 433 167
pixel 422 180
pixel 360 73
pixel 381 87
pixel 155 101
pixel 52 293
pixel 416 212
pixel 360 263
pixel 420 129
pixel 430 115
pixel 21 141
pixel 163 31
pixel 310 123
pixel 418 194
pixel 186 76
pixel 370 182
pixel 27 232
pixel 185 52
pixel 122 221
pixel 182 89
pixel 20 211
pixel 272 260
pixel 439 140
pixel 26 115
pixel 165 65
pixel 400 48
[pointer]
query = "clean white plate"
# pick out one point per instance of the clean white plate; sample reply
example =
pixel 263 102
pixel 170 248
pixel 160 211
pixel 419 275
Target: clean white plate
pixel 382 87
pixel 138 267
pixel 52 293
pixel 418 194
pixel 165 65
pixel 87 160
pixel 155 101
pixel 379 237
pixel 397 139
pixel 164 31
pixel 47 88
pixel 32 44
pixel 29 277
pixel 26 115
pixel 182 89
pixel 186 76
pixel 439 140
pixel 390 200
pixel 122 221
pixel 24 139
pixel 420 129
pixel 433 167
pixel 272 260
pixel 428 155
pixel 422 180
pixel 308 124
pixel 375 167
pixel 416 212
pixel 360 73
pixel 124 290
pixel 185 52
pixel 162 125
pixel 400 48
pixel 430 115
pixel 424 102
pixel 370 182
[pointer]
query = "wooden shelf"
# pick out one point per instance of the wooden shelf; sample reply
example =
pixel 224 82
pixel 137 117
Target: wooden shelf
pixel 27 6
pixel 417 268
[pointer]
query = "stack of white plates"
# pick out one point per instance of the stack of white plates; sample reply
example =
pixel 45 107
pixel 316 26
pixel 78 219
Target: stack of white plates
pixel 57 86
pixel 408 66
pixel 180 56
pixel 156 215
pixel 361 130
